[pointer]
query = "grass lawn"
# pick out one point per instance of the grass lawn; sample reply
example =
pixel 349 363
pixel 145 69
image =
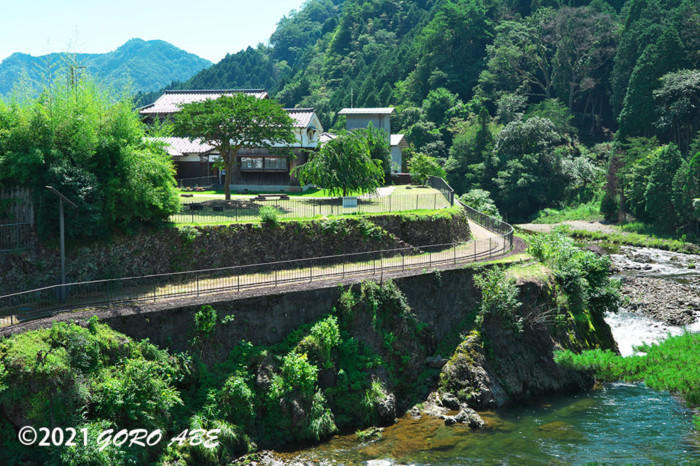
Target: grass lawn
pixel 312 192
pixel 213 209
pixel 589 212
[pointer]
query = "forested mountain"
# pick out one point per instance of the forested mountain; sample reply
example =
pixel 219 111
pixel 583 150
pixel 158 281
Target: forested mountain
pixel 143 65
pixel 526 99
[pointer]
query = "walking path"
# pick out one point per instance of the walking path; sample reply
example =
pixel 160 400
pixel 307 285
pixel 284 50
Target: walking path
pixel 257 279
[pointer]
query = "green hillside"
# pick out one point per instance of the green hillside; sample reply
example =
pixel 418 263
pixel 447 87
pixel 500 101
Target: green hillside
pixel 532 101
pixel 143 65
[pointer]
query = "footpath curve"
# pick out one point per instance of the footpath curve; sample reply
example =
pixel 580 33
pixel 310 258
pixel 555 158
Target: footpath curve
pixel 491 240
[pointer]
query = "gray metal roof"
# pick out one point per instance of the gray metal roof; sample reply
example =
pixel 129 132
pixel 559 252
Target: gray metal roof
pixel 396 139
pixel 171 101
pixel 367 111
pixel 177 147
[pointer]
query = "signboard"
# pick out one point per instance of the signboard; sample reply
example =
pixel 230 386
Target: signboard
pixel 349 202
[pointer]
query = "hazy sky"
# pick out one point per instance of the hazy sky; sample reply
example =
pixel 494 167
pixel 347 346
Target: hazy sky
pixel 208 28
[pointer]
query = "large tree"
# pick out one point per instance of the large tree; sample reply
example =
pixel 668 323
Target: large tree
pixel 231 123
pixel 342 166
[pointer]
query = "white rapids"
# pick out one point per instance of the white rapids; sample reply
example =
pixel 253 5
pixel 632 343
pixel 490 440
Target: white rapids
pixel 632 329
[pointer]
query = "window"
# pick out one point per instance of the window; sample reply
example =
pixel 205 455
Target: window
pixel 276 163
pixel 251 163
pixel 263 163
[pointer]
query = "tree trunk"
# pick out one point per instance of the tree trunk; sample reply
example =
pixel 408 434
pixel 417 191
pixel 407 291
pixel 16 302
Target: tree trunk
pixel 227 178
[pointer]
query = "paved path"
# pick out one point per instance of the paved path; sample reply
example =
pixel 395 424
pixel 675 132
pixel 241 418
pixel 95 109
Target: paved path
pixel 478 232
pixel 263 279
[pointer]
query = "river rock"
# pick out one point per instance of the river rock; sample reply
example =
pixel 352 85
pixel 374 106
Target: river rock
pixel 449 401
pixel 386 409
pixel 669 301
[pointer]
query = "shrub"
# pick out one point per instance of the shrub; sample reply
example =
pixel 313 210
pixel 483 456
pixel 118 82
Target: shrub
pixel 480 200
pixel 137 394
pixel 269 216
pixel 205 320
pixel 422 166
pixel 499 298
pixel 237 400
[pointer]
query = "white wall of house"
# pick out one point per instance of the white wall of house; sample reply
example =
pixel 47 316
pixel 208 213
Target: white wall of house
pixel 395 159
pixel 363 121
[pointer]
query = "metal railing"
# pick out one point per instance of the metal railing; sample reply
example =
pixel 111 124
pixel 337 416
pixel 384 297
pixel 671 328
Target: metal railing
pixel 490 223
pixel 14 236
pixel 44 302
pixel 442 186
pixel 248 209
pixel 47 301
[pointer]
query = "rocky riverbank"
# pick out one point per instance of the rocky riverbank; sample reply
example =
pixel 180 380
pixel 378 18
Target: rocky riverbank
pixel 661 285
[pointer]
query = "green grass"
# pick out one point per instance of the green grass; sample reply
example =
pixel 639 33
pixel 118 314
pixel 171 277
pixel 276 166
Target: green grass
pixel 589 211
pixel 672 365
pixel 402 199
pixel 312 192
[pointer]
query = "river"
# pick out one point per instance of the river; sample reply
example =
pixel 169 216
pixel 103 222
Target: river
pixel 620 423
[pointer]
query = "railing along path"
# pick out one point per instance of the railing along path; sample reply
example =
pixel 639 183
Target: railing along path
pixel 43 302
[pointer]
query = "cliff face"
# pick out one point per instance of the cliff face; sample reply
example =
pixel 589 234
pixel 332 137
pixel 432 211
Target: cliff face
pixel 497 365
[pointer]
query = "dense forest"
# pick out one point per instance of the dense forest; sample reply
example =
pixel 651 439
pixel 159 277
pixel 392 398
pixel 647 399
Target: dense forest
pixel 531 101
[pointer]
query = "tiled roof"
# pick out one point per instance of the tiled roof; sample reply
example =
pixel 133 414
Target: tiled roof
pixel 301 116
pixel 170 101
pixel 367 111
pixel 177 147
pixel 396 139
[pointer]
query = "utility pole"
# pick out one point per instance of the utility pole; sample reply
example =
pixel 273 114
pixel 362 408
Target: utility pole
pixel 61 198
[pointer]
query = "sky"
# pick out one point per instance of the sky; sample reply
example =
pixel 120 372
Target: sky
pixel 208 28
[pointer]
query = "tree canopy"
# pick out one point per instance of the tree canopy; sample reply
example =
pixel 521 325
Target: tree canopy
pixel 91 149
pixel 343 166
pixel 231 123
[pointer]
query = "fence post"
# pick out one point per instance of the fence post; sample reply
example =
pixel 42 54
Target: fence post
pixel 197 284
pixel 275 277
pixel 238 283
pixel 475 250
pixel 343 267
pixel 454 253
pixel 311 273
pixel 416 201
pixel 403 262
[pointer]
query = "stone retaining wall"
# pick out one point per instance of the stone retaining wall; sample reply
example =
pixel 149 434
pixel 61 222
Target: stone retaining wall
pixel 171 250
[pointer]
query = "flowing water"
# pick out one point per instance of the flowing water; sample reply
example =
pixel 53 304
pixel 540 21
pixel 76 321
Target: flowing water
pixel 625 423
pixel 619 423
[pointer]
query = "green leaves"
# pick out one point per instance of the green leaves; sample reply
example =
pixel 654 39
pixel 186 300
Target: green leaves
pixel 672 365
pixel 230 123
pixel 342 166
